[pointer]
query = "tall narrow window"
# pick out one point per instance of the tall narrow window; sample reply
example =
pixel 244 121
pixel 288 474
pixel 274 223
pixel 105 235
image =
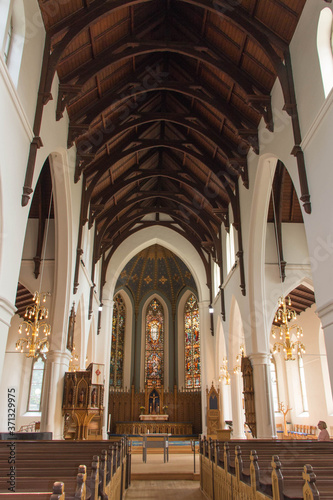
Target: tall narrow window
pixel 303 386
pixel 154 355
pixel 36 385
pixel 275 390
pixel 192 344
pixel 324 48
pixel 117 346
pixel 8 42
pixel 230 244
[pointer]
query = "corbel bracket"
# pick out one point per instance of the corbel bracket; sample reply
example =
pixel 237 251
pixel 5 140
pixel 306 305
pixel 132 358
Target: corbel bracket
pixel 65 94
pixel 263 104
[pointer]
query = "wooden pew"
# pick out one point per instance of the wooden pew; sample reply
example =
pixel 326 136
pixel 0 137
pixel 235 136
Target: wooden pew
pixel 280 474
pixel 60 460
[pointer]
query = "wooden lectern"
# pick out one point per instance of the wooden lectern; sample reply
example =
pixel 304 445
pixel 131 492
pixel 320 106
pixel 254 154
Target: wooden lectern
pixel 213 412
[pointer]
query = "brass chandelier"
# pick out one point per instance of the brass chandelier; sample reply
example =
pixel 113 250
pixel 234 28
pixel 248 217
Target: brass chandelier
pixel 283 316
pixel 33 326
pixel 224 373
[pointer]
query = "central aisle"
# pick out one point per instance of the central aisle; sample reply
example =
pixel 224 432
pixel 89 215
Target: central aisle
pixel 174 480
pixel 165 490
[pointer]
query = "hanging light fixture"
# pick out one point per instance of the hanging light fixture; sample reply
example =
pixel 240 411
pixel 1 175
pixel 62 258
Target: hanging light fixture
pixel 33 325
pixel 73 365
pixel 237 368
pixel 224 374
pixel 283 316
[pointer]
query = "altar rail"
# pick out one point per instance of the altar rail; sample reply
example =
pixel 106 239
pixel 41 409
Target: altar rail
pixel 154 428
pixel 231 471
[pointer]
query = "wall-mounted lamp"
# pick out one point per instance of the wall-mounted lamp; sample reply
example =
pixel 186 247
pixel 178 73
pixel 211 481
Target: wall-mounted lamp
pixel 210 308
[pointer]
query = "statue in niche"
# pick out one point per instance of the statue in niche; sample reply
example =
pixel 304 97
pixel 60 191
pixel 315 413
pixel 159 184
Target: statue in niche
pixel 82 395
pixel 93 397
pixel 70 397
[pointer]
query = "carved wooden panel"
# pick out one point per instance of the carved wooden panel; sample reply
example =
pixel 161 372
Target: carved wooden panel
pixel 182 407
pixel 82 406
pixel 213 411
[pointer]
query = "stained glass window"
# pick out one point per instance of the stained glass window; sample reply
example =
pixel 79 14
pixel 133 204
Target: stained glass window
pixel 192 344
pixel 154 355
pixel 117 346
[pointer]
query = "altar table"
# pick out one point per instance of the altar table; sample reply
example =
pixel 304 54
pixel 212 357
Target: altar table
pixel 155 441
pixel 154 418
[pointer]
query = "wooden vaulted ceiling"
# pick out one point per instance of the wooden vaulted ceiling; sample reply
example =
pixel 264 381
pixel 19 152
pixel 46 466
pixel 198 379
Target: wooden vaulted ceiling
pixel 164 99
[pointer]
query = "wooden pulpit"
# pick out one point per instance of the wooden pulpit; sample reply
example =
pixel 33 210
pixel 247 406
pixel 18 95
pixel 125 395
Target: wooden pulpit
pixel 82 406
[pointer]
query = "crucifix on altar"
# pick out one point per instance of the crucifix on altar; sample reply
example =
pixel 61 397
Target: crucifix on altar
pixel 154 403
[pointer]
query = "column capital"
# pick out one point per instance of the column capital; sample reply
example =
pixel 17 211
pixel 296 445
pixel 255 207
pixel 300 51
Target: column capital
pixel 204 303
pixel 108 303
pixel 55 356
pixel 7 311
pixel 260 358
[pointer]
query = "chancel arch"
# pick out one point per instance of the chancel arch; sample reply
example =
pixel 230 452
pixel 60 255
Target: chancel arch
pixel 158 285
pixel 170 240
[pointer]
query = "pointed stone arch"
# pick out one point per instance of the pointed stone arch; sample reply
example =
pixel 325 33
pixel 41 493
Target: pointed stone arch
pixel 63 270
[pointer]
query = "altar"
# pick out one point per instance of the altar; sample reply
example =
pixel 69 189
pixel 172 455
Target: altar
pixel 154 418
pixel 160 440
pixel 154 411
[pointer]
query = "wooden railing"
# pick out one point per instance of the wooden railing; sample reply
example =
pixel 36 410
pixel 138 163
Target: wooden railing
pixel 134 428
pixel 266 469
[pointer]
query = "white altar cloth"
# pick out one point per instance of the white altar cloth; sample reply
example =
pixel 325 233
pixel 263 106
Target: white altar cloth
pixel 154 418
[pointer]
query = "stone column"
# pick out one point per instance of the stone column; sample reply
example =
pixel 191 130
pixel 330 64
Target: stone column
pixel 226 411
pixel 263 395
pixel 237 407
pixel 207 360
pixel 7 311
pixel 57 363
pixel 325 314
pixel 103 355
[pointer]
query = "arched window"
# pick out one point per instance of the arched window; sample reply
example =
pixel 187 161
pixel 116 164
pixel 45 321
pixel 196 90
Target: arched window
pixel 192 344
pixel 117 346
pixel 324 48
pixel 275 388
pixel 13 42
pixel 154 354
pixel 302 384
pixel 36 385
pixel 230 244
